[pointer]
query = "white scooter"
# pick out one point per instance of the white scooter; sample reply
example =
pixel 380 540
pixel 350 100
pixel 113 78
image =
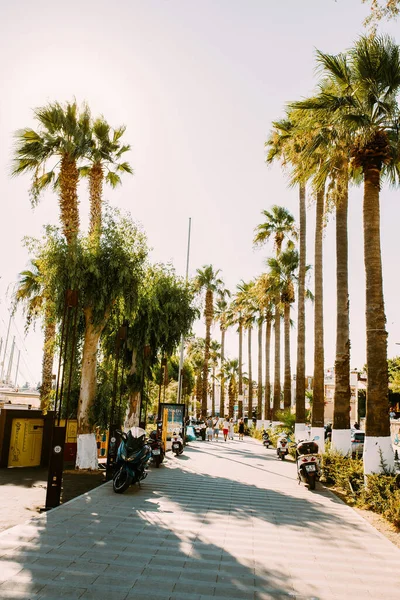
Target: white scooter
pixel 308 462
pixel 282 446
pixel 177 443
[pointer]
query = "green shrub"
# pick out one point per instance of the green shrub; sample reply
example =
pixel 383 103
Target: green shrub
pixel 342 471
pixel 382 495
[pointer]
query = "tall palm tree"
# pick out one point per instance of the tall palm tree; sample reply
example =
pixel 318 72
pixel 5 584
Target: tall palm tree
pixel 106 163
pixel 31 292
pixel 62 139
pixel 285 144
pixel 283 272
pixel 279 225
pixel 221 313
pixel 207 279
pixel 215 355
pixel 366 81
pixel 265 299
pixel 260 323
pixel 236 317
pixel 231 372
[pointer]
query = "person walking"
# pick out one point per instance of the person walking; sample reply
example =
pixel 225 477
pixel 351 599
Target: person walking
pixel 231 429
pixel 225 428
pixel 216 428
pixel 241 429
pixel 209 429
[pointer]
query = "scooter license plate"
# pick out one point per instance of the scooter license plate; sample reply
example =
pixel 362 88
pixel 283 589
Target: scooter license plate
pixel 156 452
pixel 175 445
pixel 310 468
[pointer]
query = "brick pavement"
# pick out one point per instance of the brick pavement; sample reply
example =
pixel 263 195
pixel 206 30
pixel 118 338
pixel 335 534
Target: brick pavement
pixel 225 520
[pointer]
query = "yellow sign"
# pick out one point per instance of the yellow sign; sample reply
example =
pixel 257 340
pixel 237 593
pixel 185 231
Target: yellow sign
pixel 72 429
pixel 26 443
pixel 165 427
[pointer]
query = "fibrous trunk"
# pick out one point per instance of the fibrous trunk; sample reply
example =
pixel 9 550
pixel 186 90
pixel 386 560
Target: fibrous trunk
pixel 341 434
pixel 250 373
pixel 48 356
pixel 259 383
pixel 132 413
pixel 301 322
pixel 318 392
pixel 68 198
pixel 377 428
pixel 240 403
pixel 277 364
pixel 267 400
pixel 95 197
pixel 213 393
pixel 287 391
pixel 222 396
pixel 209 317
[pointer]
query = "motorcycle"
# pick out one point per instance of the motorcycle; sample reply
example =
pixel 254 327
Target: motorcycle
pixel 157 448
pixel 177 444
pixel 265 439
pixel 132 458
pixel 282 447
pixel 307 461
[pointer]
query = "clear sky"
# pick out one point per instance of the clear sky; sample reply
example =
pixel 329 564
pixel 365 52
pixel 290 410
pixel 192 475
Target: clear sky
pixel 197 84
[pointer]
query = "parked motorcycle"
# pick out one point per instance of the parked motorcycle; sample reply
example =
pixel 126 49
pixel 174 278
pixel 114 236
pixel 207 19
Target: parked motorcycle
pixel 282 446
pixel 157 448
pixel 177 443
pixel 132 458
pixel 265 439
pixel 307 461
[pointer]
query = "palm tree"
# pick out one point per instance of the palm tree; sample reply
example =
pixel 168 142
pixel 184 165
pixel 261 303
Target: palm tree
pixel 249 315
pixel 105 154
pixel 236 317
pixel 283 275
pixel 279 224
pixel 207 279
pixel 221 313
pixel 62 138
pixel 231 373
pixel 366 82
pixel 215 355
pixel 285 144
pixel 260 323
pixel 31 292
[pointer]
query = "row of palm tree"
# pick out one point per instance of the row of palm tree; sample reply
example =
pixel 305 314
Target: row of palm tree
pixel 347 132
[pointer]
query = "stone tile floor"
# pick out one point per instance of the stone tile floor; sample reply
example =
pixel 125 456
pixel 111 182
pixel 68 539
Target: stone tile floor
pixel 224 520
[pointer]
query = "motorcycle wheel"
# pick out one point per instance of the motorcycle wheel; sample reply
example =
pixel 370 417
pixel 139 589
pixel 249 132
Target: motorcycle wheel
pixel 121 481
pixel 157 461
pixel 283 456
pixel 311 482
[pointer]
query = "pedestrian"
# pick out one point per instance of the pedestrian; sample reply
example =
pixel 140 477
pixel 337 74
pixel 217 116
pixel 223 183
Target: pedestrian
pixel 216 428
pixel 209 430
pixel 231 429
pixel 241 429
pixel 225 428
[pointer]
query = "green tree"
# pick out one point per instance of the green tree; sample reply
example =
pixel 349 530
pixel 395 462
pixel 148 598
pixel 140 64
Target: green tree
pixel 265 298
pixel 221 313
pixel 207 279
pixel 231 372
pixel 215 355
pixel 62 139
pixel 31 293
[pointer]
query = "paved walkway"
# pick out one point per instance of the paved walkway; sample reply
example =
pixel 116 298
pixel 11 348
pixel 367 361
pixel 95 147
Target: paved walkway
pixel 224 520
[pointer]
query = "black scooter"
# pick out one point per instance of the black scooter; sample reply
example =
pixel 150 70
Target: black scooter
pixel 307 461
pixel 265 439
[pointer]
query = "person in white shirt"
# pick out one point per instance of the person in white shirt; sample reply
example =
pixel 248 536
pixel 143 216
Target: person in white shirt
pixel 225 428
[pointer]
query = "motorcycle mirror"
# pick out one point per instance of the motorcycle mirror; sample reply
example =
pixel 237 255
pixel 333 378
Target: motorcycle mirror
pixel 316 438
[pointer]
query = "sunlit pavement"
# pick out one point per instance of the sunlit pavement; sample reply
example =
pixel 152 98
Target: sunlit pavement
pixel 224 520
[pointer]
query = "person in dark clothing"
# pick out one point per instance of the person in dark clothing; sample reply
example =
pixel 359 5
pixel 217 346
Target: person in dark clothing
pixel 241 429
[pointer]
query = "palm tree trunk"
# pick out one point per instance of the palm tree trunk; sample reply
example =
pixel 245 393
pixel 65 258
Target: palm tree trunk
pixel 209 316
pixel 95 197
pixel 86 457
pixel 301 321
pixel 213 393
pixel 48 357
pixel 341 434
pixel 132 414
pixel 240 403
pixel 378 445
pixel 68 198
pixel 277 364
pixel 199 387
pixel 318 392
pixel 231 395
pixel 259 384
pixel 250 373
pixel 267 401
pixel 287 386
pixel 222 381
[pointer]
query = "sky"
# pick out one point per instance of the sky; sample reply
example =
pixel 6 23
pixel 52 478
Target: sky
pixel 198 85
